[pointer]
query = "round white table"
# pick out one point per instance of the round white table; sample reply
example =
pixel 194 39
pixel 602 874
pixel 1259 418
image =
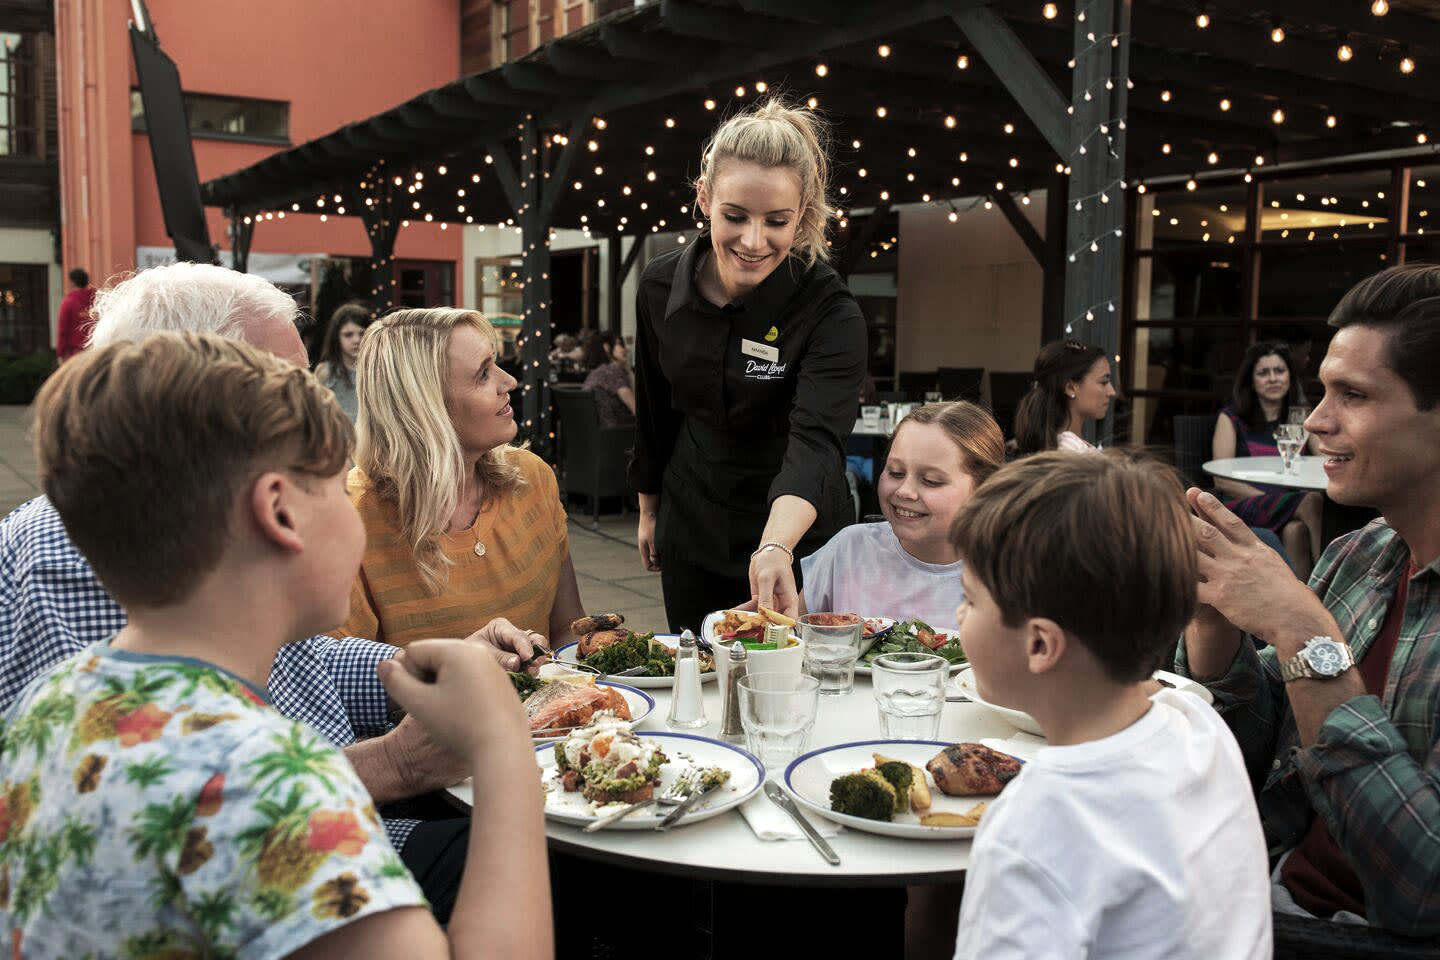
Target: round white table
pixel 725 848
pixel 1309 473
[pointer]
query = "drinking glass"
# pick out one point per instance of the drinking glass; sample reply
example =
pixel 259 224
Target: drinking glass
pixel 909 694
pixel 777 712
pixel 832 645
pixel 934 396
pixel 1299 413
pixel 1289 438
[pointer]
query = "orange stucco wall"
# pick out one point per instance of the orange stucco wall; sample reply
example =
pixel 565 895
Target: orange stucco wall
pixel 334 61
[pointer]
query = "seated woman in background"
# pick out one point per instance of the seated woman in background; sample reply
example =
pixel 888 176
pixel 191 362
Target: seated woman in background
pixel 908 567
pixel 610 377
pixel 1261 400
pixel 1072 385
pixel 340 351
pixel 461 527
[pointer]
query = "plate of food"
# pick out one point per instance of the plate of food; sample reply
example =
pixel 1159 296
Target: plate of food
pixel 914 636
pixel 963 684
pixel 913 789
pixel 595 769
pixel 654 652
pixel 876 627
pixel 557 704
pixel 748 626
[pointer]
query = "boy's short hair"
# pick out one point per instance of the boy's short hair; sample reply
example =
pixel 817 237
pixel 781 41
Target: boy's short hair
pixel 143 448
pixel 1404 302
pixel 1099 543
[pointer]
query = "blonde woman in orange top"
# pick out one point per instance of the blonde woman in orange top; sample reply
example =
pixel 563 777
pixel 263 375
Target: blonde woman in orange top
pixel 462 528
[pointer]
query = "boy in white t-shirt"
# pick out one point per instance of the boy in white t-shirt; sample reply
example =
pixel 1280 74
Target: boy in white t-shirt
pixel 1134 833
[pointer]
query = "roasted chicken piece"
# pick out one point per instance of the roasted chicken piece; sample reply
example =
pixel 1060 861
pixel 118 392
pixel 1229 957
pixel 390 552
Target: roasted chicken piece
pixel 600 621
pixel 972 769
pixel 591 642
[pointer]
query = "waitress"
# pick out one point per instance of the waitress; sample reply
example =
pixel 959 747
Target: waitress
pixel 750 353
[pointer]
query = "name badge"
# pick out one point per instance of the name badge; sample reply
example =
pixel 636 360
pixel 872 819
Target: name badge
pixel 759 350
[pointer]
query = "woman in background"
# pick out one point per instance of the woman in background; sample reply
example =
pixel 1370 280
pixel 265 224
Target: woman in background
pixel 607 359
pixel 1264 390
pixel 1072 385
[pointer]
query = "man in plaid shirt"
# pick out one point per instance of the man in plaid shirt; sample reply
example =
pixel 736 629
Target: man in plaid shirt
pixel 52 605
pixel 1344 758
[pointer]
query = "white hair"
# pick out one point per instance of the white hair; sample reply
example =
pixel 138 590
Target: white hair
pixel 198 297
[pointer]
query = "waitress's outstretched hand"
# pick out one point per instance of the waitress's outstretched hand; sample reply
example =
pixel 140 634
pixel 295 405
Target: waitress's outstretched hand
pixel 772 582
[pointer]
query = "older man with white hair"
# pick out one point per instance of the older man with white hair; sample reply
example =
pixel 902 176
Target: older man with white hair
pixel 52 605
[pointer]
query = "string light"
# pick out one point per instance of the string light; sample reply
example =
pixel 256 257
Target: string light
pixel 821 69
pixel 1380 8
pixel 1330 121
pixel 1202 20
pixel 739 91
pixel 1164 96
pixel 1212 158
pixel 1225 103
pixel 1345 53
pixel 1050 11
pixel 1277 34
pixel 709 104
pixel 881 112
pixel 963 62
pixel 760 87
pixel 1278 116
pixel 950 122
pixel 1407 65
pixel 883 49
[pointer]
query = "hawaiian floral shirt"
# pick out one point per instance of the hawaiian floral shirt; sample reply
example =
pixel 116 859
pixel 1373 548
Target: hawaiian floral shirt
pixel 160 807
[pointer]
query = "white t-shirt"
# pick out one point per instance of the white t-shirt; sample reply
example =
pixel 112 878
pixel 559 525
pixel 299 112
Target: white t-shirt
pixel 1073 442
pixel 864 570
pixel 1143 844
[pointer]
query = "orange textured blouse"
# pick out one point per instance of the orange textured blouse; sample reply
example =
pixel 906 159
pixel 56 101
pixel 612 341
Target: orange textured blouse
pixel 526 544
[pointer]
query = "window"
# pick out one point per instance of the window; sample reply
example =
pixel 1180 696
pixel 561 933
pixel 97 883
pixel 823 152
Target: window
pixel 227 118
pixel 20 134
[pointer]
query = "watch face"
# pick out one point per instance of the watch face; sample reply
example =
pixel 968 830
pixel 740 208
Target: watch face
pixel 1324 658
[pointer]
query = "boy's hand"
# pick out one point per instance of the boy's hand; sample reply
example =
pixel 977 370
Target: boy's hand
pixel 458 691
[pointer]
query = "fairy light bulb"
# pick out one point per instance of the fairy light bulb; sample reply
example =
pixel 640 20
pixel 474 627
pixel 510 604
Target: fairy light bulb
pixel 1407 65
pixel 1225 104
pixel 821 70
pixel 1050 11
pixel 1330 121
pixel 883 49
pixel 1164 96
pixel 1277 34
pixel 1202 20
pixel 1191 184
pixel 1345 53
pixel 1212 158
pixel 1278 116
pixel 962 62
pixel 949 122
pixel 1380 7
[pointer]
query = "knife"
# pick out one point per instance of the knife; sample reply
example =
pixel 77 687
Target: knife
pixel 781 800
pixel 673 817
pixel 620 814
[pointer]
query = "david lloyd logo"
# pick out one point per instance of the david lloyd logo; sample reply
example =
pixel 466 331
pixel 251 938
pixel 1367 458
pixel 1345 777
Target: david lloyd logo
pixel 764 370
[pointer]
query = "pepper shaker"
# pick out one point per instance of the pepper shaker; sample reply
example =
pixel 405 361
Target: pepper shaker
pixel 687 708
pixel 731 729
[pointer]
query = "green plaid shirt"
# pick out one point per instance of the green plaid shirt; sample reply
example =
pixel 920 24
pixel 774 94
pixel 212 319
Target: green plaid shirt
pixel 1374 771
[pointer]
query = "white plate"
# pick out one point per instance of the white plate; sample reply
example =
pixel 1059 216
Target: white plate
pixel 684 750
pixel 639 702
pixel 964 684
pixel 569 652
pixel 882 626
pixel 707 628
pixel 808 779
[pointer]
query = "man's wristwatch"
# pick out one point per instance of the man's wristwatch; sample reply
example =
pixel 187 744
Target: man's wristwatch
pixel 1322 658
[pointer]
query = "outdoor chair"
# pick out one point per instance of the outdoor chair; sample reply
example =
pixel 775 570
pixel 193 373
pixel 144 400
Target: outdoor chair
pixel 1305 938
pixel 961 383
pixel 1192 447
pixel 593 459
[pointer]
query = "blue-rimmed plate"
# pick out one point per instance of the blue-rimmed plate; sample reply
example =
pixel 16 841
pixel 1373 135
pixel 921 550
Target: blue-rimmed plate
pixel 570 652
pixel 808 779
pixel 686 751
pixel 639 702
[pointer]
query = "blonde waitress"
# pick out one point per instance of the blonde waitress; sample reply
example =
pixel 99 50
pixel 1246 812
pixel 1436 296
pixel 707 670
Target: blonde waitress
pixel 461 526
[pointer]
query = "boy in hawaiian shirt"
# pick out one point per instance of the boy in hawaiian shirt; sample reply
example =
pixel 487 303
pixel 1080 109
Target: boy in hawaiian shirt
pixel 152 802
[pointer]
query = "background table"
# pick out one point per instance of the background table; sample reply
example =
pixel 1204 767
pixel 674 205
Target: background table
pixel 725 848
pixel 1335 518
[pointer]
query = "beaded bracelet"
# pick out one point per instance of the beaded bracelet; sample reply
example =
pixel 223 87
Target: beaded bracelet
pixel 774 545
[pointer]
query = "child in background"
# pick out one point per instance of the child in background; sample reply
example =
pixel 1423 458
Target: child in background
pixel 339 353
pixel 1134 833
pixel 152 802
pixel 907 568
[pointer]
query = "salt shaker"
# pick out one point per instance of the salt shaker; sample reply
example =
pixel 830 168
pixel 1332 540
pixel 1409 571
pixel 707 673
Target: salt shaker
pixel 687 709
pixel 731 729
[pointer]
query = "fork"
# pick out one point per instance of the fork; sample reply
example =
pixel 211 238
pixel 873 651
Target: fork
pixel 672 797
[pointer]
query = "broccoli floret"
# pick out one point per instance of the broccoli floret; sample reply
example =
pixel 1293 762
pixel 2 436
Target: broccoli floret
pixel 866 794
pixel 900 775
pixel 525 684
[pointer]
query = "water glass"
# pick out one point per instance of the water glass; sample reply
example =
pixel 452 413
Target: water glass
pixel 909 694
pixel 832 645
pixel 777 712
pixel 1289 439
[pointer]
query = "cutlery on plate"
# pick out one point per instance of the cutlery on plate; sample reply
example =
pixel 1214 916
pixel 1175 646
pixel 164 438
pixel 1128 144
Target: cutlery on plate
pixel 709 780
pixel 783 801
pixel 671 797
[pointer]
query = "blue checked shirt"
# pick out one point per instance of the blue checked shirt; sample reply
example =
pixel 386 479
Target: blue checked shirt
pixel 1373 772
pixel 52 607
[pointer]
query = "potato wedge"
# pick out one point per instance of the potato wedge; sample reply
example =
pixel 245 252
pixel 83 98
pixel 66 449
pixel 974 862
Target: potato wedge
pixel 969 818
pixel 776 617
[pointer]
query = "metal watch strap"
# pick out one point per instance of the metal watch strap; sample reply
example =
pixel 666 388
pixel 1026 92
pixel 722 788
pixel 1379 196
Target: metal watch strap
pixel 1297 667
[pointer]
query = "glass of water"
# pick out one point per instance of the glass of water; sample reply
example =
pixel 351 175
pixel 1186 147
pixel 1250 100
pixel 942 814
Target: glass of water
pixel 777 712
pixel 909 694
pixel 1289 438
pixel 832 645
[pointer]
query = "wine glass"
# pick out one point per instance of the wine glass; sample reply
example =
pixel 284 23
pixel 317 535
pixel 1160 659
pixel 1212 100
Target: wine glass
pixel 1289 438
pixel 1299 413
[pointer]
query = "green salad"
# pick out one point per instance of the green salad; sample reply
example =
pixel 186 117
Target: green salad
pixel 639 650
pixel 917 636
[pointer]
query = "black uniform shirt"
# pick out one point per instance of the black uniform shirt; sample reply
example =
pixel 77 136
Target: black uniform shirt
pixel 749 417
